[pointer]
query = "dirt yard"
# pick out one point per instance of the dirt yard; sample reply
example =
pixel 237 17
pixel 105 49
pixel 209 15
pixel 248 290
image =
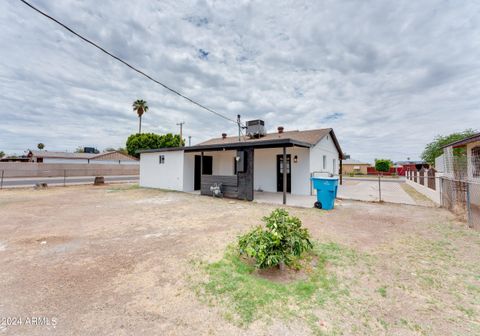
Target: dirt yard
pixel 118 260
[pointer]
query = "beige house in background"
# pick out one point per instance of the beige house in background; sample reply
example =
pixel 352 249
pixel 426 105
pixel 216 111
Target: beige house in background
pixel 354 166
pixel 114 157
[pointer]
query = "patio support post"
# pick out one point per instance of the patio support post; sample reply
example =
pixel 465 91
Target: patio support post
pixel 341 171
pixel 284 167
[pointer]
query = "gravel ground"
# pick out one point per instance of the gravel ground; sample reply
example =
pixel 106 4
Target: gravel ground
pixel 115 260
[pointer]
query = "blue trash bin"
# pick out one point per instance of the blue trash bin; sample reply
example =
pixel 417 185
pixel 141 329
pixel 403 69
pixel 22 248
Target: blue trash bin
pixel 326 191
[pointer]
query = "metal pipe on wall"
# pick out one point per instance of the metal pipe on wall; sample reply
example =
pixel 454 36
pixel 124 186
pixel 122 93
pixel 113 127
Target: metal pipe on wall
pixel 284 167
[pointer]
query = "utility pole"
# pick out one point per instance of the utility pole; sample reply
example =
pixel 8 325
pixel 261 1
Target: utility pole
pixel 189 140
pixel 181 131
pixel 239 126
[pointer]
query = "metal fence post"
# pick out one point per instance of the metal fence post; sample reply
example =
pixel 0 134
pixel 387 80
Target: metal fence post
pixel 379 189
pixel 440 186
pixel 64 177
pixel 469 209
pixel 1 181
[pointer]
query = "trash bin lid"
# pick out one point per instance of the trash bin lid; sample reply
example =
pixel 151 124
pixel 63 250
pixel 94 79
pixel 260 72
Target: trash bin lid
pixel 324 178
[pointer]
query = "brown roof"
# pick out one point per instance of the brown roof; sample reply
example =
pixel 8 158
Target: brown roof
pixel 114 155
pixel 463 142
pixel 308 136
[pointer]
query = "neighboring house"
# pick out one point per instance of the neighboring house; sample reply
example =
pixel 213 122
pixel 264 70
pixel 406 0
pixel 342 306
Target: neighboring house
pixel 412 165
pixel 246 164
pixel 351 166
pixel 114 157
pixel 463 168
pixel 14 158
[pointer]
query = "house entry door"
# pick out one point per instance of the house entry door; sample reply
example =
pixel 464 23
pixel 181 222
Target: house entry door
pixel 280 167
pixel 207 170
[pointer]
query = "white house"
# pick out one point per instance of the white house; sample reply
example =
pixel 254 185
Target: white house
pixel 246 164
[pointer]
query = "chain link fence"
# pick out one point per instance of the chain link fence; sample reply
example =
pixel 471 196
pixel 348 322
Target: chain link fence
pixel 460 185
pixel 462 198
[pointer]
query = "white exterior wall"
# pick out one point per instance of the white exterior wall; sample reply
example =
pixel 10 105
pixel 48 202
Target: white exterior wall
pixel 222 162
pixel 265 170
pixel 169 175
pixel 188 171
pixel 327 147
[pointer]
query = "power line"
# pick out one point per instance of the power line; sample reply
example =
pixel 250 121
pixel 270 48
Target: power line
pixel 127 64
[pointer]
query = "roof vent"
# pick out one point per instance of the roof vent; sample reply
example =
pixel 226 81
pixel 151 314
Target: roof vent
pixel 224 135
pixel 280 129
pixel 256 128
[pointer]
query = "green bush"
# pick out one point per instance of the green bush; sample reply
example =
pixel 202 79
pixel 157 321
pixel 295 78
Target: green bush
pixel 383 165
pixel 283 241
pixel 151 141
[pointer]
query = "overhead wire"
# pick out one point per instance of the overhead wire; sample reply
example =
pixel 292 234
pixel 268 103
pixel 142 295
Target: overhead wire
pixel 131 66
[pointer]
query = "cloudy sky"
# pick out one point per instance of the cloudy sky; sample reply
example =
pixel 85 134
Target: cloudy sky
pixel 386 75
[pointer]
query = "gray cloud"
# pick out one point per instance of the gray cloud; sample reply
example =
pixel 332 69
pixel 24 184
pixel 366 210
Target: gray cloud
pixel 387 76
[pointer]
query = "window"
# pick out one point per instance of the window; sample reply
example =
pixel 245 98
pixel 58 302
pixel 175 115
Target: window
pixel 161 159
pixel 475 159
pixel 324 162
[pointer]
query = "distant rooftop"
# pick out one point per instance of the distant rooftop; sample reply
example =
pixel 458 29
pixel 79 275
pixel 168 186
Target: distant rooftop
pixel 61 155
pixel 68 155
pixel 353 161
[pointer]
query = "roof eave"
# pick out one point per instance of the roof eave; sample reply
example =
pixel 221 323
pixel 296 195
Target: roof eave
pixel 463 142
pixel 231 146
pixel 341 156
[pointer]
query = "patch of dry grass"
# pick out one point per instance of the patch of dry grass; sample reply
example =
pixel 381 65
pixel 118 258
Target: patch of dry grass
pixel 419 198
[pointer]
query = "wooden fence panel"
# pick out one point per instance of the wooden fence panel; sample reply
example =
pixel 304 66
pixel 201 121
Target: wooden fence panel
pixel 421 174
pixel 229 185
pixel 431 178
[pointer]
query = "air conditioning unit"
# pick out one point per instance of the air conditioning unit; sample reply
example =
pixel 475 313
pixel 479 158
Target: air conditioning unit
pixel 256 128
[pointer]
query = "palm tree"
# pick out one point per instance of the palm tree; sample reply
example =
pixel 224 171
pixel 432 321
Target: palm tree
pixel 140 106
pixel 40 146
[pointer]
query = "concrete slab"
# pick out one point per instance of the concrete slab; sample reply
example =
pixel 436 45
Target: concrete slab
pixel 361 190
pixel 368 191
pixel 277 198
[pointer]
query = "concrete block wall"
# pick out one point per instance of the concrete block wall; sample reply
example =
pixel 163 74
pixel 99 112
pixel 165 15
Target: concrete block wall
pixel 32 169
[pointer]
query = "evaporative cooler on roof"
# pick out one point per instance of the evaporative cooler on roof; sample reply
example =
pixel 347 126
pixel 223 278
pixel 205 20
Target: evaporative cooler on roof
pixel 256 128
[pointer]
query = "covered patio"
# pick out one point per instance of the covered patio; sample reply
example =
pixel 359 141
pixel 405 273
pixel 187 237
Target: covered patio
pixel 233 167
